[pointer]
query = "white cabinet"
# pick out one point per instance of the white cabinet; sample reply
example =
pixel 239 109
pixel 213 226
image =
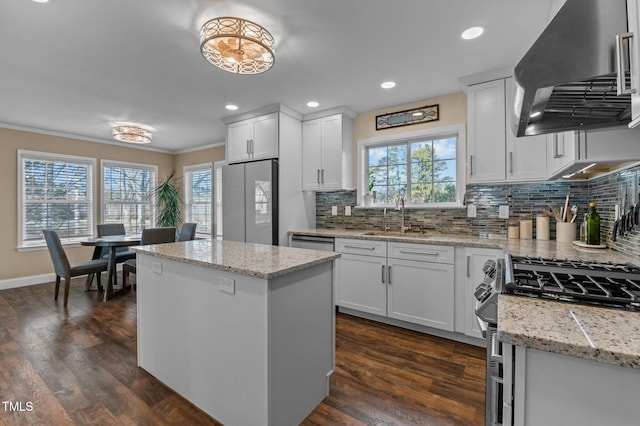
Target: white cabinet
pixel 633 17
pixel 327 153
pixel 360 275
pixel 421 291
pixel 475 258
pixel 415 283
pixel 494 153
pixel 561 151
pixel 253 139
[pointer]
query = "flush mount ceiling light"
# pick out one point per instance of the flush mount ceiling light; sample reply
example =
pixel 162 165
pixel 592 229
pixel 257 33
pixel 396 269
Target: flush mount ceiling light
pixel 231 107
pixel 237 45
pixel 471 33
pixel 388 85
pixel 131 134
pixel 312 104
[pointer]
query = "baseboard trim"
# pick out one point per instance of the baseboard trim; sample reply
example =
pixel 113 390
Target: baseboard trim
pixel 26 281
pixel 36 279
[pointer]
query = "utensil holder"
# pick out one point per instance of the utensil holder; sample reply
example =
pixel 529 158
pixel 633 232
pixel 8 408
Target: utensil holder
pixel 565 232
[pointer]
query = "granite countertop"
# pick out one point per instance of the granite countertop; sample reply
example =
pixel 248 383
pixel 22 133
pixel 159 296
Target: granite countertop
pixel 256 260
pixel 592 332
pixel 516 247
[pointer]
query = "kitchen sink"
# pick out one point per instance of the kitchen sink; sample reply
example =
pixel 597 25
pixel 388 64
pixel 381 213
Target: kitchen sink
pixel 396 234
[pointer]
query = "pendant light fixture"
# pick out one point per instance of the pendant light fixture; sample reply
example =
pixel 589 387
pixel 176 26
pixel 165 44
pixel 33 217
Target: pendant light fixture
pixel 131 134
pixel 237 45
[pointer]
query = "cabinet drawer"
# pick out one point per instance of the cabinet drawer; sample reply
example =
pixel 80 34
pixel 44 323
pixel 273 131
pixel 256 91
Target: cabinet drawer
pixel 362 247
pixel 423 252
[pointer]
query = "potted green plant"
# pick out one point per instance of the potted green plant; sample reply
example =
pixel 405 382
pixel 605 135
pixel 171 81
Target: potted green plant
pixel 168 201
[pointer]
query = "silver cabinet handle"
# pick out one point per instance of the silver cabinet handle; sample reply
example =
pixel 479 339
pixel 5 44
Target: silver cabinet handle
pixel 428 253
pixel 620 74
pixel 389 274
pixel 252 146
pixel 383 273
pixel 471 165
pixel 511 162
pixel 556 147
pixel 360 248
pixel 322 174
pixel 248 150
pixel 468 260
pixel 318 177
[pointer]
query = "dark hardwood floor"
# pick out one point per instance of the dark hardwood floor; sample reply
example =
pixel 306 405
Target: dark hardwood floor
pixel 78 366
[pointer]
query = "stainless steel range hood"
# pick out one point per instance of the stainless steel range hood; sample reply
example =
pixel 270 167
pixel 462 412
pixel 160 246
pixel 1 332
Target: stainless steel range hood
pixel 567 79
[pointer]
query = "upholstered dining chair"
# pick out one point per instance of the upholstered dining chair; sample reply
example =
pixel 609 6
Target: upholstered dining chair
pixel 149 236
pixel 122 253
pixel 65 270
pixel 188 232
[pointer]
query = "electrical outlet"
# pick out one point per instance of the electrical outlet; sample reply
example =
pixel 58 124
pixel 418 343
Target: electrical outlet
pixel 347 210
pixel 472 211
pixel 334 210
pixel 227 285
pixel 503 213
pixel 156 268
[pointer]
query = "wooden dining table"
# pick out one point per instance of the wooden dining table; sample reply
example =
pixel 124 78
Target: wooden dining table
pixel 112 242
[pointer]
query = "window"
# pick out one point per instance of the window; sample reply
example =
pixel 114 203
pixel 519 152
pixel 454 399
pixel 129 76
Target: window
pixel 217 167
pixel 56 192
pixel 198 197
pixel 126 195
pixel 426 168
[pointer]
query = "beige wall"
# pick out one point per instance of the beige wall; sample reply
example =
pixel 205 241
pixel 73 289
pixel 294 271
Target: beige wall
pixel 15 264
pixel 452 110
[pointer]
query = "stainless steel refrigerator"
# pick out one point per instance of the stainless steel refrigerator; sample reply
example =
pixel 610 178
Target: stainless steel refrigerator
pixel 250 202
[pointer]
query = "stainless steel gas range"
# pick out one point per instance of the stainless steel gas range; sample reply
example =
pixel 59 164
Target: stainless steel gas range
pixel 613 285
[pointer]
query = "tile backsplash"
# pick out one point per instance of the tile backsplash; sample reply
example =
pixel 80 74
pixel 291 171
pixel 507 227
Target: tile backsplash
pixel 524 200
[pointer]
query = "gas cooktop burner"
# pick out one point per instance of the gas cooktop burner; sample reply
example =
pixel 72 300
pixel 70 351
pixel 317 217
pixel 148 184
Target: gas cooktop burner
pixel 601 283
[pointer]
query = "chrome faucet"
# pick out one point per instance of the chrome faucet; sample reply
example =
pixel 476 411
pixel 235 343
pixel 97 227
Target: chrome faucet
pixel 400 206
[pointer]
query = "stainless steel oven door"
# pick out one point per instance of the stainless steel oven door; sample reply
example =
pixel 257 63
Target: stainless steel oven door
pixel 495 379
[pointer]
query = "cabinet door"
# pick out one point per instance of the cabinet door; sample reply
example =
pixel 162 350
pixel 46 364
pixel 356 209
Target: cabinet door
pixel 476 257
pixel 331 171
pixel 238 136
pixel 486 125
pixel 360 283
pixel 421 293
pixel 526 156
pixel 633 17
pixel 265 137
pixel 311 154
pixel 561 151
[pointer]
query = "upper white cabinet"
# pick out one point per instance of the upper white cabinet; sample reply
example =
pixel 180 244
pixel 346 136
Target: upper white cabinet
pixel 327 153
pixel 253 139
pixel 633 16
pixel 494 153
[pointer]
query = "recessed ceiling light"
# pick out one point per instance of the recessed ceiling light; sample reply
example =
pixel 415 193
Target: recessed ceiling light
pixel 231 107
pixel 40 1
pixel 471 33
pixel 388 85
pixel 312 104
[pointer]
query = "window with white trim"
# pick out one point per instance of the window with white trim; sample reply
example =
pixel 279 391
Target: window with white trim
pixel 55 192
pixel 426 168
pixel 127 195
pixel 198 196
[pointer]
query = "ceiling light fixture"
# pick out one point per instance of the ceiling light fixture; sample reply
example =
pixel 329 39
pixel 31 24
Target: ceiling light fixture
pixel 471 33
pixel 231 107
pixel 388 85
pixel 40 1
pixel 131 134
pixel 312 104
pixel 237 45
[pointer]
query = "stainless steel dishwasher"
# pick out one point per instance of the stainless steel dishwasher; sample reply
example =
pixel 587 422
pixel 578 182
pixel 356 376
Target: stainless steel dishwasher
pixel 312 242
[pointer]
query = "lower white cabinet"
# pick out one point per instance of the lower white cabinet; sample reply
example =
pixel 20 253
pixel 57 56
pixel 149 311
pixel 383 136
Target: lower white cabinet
pixel 414 283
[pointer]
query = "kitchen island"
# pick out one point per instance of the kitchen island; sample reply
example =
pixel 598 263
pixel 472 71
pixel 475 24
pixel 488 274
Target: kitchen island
pixel 243 331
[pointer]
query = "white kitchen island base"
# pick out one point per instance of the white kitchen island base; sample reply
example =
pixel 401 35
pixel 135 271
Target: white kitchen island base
pixel 246 350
